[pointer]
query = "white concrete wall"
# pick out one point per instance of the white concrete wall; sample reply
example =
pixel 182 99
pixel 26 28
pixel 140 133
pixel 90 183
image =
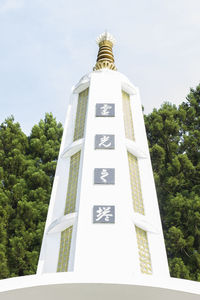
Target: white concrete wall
pixel 49 253
pixel 113 247
pixel 105 247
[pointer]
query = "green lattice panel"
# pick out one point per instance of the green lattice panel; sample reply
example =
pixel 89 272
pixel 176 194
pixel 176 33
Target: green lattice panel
pixel 80 115
pixel 65 244
pixel 143 248
pixel 135 184
pixel 128 121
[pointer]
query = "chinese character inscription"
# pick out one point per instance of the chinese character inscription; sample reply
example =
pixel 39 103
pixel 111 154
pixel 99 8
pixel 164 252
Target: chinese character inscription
pixel 104 141
pixel 105 110
pixel 103 214
pixel 104 176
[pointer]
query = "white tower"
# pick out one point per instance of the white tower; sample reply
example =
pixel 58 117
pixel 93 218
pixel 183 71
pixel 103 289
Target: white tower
pixel 103 237
pixel 103 214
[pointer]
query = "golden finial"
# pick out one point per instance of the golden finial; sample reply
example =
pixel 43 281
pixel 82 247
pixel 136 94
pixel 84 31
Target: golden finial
pixel 105 58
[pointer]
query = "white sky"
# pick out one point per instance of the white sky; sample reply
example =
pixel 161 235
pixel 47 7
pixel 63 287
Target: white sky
pixel 46 46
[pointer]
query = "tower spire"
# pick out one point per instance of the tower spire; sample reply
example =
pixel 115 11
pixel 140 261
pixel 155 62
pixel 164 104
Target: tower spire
pixel 105 57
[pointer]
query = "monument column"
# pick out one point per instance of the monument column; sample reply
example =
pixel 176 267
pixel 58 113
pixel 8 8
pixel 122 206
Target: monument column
pixel 103 214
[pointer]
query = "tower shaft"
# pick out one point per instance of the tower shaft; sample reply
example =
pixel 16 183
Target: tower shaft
pixel 103 215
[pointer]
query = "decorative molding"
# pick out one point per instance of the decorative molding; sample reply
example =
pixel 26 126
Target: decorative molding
pixel 73 148
pixel 82 85
pixel 142 222
pixel 133 148
pixel 105 36
pixel 62 223
pixel 128 88
pixel 104 65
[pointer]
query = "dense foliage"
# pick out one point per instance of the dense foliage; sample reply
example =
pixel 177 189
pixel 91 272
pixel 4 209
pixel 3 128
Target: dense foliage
pixel 27 166
pixel 174 141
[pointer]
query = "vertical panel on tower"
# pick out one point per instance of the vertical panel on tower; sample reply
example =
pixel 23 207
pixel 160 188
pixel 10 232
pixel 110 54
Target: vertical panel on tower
pixel 70 204
pixel 135 184
pixel 80 115
pixel 144 254
pixel 142 240
pixel 65 243
pixel 128 122
pixel 72 183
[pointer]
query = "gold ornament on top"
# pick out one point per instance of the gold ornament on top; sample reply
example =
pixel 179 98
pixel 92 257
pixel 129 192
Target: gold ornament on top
pixel 105 57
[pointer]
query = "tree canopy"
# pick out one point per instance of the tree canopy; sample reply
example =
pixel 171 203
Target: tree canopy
pixel 26 175
pixel 174 141
pixel 27 167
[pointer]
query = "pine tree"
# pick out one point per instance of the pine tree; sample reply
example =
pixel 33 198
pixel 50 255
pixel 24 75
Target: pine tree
pixel 174 141
pixel 26 173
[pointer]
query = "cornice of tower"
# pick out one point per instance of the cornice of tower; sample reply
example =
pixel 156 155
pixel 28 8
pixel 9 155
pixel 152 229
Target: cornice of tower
pixel 105 57
pixel 84 82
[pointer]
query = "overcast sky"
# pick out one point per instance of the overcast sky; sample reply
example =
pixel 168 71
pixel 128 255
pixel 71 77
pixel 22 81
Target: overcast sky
pixel 46 46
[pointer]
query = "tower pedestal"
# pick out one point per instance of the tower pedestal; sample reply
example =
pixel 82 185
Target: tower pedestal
pixel 82 287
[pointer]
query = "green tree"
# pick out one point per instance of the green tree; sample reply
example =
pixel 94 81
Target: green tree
pixel 26 173
pixel 174 141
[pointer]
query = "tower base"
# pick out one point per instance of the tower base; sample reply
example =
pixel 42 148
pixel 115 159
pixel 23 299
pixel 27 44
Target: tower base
pixel 79 287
